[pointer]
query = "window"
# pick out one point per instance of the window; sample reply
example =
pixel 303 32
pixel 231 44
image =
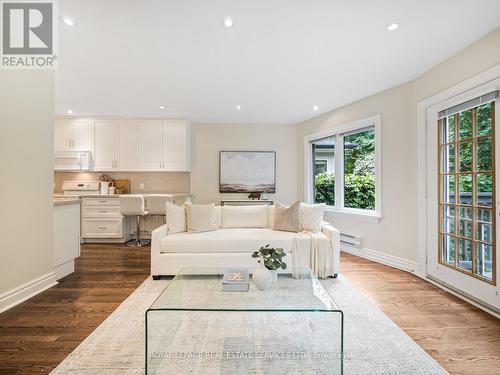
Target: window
pixel 466 186
pixel 343 168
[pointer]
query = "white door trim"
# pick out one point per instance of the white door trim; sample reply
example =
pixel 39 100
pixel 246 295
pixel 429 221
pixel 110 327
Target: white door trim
pixel 449 95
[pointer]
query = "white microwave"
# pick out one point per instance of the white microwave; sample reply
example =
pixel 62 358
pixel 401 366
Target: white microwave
pixel 72 160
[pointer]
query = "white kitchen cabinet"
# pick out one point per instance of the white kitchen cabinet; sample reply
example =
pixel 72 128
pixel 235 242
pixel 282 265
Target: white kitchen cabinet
pixel 135 145
pixel 66 238
pixel 104 145
pixel 73 135
pixel 151 145
pixel 127 145
pixel 102 220
pixel 176 145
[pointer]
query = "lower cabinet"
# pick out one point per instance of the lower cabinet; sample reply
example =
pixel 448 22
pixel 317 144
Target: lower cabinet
pixel 102 221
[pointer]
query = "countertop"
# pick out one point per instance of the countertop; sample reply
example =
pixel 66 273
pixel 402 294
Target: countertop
pixel 65 201
pixel 144 194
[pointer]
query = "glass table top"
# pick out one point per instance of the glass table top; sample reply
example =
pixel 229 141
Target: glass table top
pixel 200 288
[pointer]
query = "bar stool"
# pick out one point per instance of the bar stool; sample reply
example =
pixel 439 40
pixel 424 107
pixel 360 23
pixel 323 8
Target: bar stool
pixel 155 204
pixel 133 205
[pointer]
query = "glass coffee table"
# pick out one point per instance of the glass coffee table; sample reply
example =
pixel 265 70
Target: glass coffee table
pixel 193 327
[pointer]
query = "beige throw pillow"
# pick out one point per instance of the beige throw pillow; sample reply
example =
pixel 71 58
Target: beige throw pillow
pixel 176 218
pixel 311 216
pixel 287 218
pixel 201 217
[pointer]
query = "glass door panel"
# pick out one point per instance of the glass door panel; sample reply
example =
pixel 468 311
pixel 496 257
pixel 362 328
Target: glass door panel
pixel 467 194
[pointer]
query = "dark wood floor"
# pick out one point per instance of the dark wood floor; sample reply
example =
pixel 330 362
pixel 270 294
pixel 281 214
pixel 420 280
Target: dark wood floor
pixel 38 334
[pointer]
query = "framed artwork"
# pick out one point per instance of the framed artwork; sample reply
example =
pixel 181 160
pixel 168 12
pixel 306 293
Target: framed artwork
pixel 247 171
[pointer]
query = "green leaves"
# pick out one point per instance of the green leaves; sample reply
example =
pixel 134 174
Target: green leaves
pixel 272 258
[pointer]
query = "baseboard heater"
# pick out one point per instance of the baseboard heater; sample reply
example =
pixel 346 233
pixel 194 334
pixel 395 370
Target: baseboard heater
pixel 350 239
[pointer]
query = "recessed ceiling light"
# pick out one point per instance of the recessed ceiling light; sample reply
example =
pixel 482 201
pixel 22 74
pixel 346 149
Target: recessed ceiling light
pixel 69 112
pixel 227 22
pixel 315 108
pixel 238 107
pixel 393 25
pixel 69 21
pixel 162 107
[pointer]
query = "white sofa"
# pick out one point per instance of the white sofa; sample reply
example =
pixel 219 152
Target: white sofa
pixel 241 231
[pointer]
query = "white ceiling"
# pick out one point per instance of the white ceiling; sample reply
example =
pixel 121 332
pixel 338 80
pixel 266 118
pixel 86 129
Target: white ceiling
pixel 282 57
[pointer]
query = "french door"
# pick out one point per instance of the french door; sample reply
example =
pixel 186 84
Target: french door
pixel 462 205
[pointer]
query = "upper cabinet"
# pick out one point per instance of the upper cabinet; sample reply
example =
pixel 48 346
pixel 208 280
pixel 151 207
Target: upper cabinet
pixel 176 150
pixel 105 145
pixel 151 145
pixel 128 144
pixel 164 145
pixel 74 135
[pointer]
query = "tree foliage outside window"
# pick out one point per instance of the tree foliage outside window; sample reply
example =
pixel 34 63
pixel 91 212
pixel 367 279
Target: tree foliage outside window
pixel 359 173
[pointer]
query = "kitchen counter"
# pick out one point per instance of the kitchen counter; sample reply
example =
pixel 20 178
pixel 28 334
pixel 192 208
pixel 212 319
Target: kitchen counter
pixel 65 201
pixel 175 195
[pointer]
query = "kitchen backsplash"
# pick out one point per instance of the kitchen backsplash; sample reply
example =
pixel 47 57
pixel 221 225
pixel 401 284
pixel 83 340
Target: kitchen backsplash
pixel 154 182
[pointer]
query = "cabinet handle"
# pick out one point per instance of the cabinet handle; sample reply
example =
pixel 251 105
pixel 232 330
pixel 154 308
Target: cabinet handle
pixel 102 227
pixel 102 212
pixel 103 201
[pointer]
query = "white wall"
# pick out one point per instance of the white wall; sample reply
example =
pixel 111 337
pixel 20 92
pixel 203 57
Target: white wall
pixel 26 164
pixel 396 234
pixel 208 139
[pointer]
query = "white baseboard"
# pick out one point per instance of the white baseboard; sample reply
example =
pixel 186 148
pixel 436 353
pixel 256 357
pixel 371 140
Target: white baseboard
pixel 380 257
pixel 23 292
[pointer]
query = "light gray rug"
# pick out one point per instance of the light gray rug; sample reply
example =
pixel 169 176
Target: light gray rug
pixel 373 344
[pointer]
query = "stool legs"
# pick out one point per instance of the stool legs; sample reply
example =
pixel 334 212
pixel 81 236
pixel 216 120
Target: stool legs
pixel 138 241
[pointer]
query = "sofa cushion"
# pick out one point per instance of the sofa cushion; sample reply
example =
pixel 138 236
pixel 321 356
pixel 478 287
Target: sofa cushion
pixel 287 218
pixel 227 241
pixel 311 216
pixel 245 217
pixel 201 217
pixel 175 217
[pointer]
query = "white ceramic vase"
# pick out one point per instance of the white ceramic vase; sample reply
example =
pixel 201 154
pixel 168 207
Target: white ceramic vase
pixel 262 277
pixel 274 274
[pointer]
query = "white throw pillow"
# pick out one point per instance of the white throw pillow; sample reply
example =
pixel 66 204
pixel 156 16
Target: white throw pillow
pixel 201 217
pixel 176 218
pixel 287 218
pixel 245 217
pixel 271 216
pixel 311 216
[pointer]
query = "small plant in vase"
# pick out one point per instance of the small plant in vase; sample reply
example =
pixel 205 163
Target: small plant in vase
pixel 271 261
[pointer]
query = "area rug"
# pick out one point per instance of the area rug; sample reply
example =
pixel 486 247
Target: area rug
pixel 373 344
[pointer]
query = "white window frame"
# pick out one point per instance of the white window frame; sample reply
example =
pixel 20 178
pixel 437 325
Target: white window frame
pixel 339 211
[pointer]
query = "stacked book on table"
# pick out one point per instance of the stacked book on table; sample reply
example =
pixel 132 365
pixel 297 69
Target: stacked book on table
pixel 235 281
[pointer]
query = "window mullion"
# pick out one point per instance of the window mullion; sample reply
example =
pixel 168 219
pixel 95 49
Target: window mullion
pixel 339 171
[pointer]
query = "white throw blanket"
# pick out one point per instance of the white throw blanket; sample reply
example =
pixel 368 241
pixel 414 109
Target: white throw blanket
pixel 313 251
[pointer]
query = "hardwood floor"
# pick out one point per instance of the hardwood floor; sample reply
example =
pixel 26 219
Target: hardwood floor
pixel 461 337
pixel 38 334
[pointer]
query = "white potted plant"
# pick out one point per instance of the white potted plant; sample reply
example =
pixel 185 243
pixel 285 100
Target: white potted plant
pixel 271 261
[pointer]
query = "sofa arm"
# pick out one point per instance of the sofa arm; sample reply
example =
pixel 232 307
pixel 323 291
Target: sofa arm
pixel 334 235
pixel 156 236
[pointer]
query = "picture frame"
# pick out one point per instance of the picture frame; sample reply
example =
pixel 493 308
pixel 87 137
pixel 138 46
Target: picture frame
pixel 247 171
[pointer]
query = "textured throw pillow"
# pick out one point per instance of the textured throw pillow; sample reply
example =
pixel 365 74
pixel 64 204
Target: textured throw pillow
pixel 287 218
pixel 176 218
pixel 201 217
pixel 311 216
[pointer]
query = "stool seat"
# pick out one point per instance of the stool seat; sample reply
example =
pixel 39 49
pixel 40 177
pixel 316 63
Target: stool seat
pixel 133 205
pixel 155 203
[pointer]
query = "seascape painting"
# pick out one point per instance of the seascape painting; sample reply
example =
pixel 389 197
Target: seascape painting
pixel 247 171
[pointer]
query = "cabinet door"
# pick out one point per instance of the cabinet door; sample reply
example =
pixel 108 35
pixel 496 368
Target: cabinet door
pixel 63 135
pixel 83 135
pixel 151 145
pixel 175 145
pixel 104 154
pixel 127 145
